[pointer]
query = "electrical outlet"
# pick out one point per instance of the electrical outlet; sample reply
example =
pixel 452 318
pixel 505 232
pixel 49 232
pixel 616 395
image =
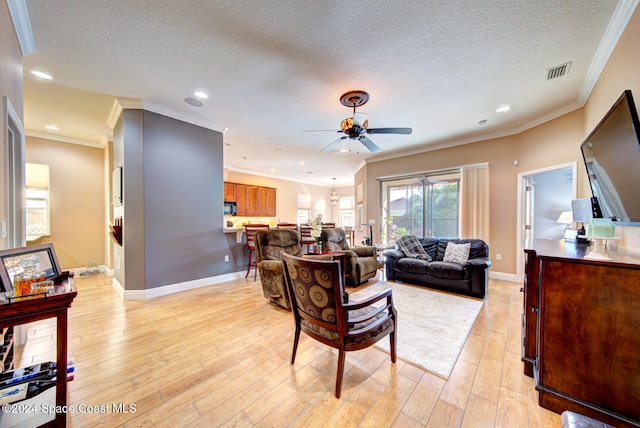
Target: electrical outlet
pixel 498 256
pixel 226 257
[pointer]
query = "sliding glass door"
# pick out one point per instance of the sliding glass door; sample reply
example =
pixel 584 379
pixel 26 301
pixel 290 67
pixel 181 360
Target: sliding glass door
pixel 426 205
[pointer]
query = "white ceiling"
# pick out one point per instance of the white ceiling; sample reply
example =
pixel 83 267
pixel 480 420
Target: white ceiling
pixel 274 69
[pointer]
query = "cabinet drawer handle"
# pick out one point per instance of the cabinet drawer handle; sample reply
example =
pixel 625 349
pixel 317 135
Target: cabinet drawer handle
pixel 534 310
pixel 522 289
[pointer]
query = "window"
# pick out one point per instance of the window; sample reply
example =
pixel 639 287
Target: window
pixel 426 206
pixel 303 216
pixel 304 208
pixel 37 199
pixel 347 214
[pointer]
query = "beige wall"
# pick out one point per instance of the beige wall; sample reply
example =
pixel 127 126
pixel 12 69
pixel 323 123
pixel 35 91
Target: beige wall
pixel 553 143
pixel 286 198
pixel 77 189
pixel 621 72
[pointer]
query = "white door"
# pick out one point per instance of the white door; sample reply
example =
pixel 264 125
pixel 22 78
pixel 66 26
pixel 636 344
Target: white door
pixel 542 195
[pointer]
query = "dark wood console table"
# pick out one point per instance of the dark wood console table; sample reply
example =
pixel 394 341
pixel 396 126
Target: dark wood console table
pixel 23 311
pixel 580 331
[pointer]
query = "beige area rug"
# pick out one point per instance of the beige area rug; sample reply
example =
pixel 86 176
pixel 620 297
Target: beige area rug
pixel 432 325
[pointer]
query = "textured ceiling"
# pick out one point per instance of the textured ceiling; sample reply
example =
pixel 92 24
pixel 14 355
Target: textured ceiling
pixel 274 69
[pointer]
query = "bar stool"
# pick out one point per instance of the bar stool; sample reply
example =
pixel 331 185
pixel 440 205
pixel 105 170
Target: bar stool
pixel 348 231
pixel 292 226
pixel 250 232
pixel 305 237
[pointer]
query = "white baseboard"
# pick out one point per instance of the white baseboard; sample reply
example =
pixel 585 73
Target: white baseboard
pixel 511 277
pixel 173 288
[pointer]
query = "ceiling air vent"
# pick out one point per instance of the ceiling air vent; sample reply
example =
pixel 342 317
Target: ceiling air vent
pixel 558 71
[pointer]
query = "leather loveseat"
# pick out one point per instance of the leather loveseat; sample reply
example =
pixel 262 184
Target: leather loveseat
pixel 469 279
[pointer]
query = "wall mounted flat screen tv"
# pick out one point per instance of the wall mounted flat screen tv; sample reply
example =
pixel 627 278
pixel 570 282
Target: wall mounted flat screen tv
pixel 612 157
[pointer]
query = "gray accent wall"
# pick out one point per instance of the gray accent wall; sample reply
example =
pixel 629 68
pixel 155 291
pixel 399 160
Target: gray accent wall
pixel 172 202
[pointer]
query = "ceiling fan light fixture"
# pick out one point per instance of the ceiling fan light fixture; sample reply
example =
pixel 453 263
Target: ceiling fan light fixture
pixel 347 124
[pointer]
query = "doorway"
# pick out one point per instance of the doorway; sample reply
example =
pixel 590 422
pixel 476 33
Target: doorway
pixel 543 195
pixel 13 228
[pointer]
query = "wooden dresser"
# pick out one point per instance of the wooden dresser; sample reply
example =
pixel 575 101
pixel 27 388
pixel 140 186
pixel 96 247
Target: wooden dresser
pixel 581 331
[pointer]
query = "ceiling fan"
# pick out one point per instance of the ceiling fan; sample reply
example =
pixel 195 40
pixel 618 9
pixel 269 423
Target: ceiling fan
pixel 357 127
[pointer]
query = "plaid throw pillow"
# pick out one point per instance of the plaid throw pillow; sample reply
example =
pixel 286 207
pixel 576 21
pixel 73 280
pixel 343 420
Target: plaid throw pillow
pixel 411 247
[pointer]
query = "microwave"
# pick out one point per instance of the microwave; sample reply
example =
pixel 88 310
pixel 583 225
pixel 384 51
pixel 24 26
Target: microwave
pixel 230 208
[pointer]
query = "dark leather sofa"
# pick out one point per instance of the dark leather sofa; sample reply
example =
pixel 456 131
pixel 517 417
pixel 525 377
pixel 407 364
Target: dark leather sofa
pixel 469 280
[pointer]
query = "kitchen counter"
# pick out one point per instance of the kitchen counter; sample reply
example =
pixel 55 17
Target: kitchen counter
pixel 237 230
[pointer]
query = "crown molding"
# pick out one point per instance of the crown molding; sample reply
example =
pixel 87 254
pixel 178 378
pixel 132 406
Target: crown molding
pixel 53 137
pixel 617 24
pixel 136 104
pixel 280 177
pixel 22 26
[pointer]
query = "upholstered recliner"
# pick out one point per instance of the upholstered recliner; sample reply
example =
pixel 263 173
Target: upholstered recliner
pixel 362 262
pixel 269 244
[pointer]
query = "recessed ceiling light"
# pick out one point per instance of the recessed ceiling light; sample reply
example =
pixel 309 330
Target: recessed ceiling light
pixel 301 163
pixel 503 109
pixel 193 102
pixel 41 74
pixel 52 127
pixel 279 150
pixel 272 170
pixel 344 150
pixel 201 94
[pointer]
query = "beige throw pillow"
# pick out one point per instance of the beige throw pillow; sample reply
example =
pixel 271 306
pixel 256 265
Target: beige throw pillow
pixel 457 253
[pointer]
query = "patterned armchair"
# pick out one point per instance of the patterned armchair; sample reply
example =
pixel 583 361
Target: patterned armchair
pixel 362 262
pixel 269 244
pixel 315 287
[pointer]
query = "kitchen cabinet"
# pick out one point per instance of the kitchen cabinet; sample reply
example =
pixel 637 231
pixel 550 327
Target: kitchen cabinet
pixel 230 192
pixel 266 202
pixel 252 200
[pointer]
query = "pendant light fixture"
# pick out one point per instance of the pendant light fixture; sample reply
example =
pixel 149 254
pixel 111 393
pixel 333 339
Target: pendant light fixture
pixel 334 196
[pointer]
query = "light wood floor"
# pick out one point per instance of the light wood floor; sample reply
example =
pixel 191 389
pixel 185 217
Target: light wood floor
pixel 219 356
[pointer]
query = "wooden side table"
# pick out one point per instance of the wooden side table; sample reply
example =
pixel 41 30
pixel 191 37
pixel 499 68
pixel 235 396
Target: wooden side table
pixel 23 311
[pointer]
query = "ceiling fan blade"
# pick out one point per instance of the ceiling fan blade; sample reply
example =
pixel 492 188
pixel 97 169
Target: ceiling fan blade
pixel 369 144
pixel 320 130
pixel 389 131
pixel 332 145
pixel 359 119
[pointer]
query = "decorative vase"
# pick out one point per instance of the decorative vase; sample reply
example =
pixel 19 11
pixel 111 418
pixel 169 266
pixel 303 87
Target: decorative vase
pixel 22 281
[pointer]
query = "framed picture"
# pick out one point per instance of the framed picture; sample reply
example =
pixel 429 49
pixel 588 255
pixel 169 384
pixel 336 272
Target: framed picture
pixel 10 262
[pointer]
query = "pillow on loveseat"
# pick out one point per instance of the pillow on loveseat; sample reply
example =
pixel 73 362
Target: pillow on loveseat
pixel 411 247
pixel 457 253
